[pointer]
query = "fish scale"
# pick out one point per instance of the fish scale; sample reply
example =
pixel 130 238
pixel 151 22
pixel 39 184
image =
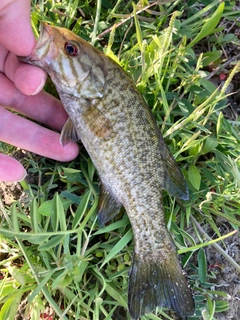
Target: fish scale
pixel 118 130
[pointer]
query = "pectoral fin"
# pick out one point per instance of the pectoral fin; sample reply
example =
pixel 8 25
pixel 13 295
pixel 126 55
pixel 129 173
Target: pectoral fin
pixel 174 182
pixel 97 122
pixel 92 117
pixel 108 207
pixel 69 133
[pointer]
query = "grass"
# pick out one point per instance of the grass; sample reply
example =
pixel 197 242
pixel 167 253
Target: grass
pixel 56 256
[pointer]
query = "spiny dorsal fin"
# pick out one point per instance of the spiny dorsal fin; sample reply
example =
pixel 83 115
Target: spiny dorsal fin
pixel 174 182
pixel 108 207
pixel 69 133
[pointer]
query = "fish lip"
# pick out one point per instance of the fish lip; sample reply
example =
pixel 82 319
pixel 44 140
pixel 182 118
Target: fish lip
pixel 45 37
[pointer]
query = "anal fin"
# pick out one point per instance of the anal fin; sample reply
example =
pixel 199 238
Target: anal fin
pixel 108 206
pixel 156 283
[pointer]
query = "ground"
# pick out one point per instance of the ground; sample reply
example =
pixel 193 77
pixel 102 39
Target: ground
pixel 227 279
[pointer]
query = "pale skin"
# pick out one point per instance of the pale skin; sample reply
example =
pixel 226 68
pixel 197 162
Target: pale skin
pixel 21 90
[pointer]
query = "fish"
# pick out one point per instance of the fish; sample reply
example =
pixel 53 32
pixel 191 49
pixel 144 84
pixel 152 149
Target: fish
pixel 117 128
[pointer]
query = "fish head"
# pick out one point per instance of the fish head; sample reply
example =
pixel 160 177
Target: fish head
pixel 74 66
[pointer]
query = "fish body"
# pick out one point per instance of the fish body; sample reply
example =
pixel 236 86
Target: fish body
pixel 115 125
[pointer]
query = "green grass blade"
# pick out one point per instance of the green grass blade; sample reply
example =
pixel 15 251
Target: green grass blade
pixel 209 26
pixel 118 247
pixel 81 210
pixel 208 243
pixel 138 29
pixel 37 290
pixel 202 266
pixel 52 243
pixel 58 213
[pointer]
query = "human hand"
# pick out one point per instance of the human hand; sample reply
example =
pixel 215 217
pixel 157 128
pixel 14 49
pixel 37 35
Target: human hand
pixel 20 90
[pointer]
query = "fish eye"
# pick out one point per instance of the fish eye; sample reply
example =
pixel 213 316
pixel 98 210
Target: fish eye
pixel 71 49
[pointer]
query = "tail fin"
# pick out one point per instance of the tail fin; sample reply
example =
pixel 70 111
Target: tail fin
pixel 156 283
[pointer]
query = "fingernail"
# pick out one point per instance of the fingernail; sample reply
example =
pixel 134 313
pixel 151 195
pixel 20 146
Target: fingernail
pixel 39 88
pixel 23 176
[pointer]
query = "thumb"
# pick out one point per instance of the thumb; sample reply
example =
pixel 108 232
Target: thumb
pixel 10 169
pixel 15 27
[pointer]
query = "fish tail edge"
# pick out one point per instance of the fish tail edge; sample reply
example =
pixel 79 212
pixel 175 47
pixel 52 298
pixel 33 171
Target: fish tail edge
pixel 156 283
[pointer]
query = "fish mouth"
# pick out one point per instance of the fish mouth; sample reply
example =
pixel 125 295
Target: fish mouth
pixel 42 48
pixel 45 37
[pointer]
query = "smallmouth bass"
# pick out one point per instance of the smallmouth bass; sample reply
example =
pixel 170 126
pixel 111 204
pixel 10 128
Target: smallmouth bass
pixel 118 130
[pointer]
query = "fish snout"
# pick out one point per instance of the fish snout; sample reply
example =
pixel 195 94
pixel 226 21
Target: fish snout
pixel 45 50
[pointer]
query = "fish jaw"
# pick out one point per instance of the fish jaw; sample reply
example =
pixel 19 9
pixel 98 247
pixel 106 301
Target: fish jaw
pixel 45 50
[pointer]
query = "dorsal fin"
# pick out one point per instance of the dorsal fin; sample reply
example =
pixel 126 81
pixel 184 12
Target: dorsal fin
pixel 174 182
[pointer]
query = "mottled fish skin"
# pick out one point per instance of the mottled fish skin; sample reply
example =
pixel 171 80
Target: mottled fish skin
pixel 123 140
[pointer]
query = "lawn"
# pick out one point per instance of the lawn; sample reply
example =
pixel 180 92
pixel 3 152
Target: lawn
pixel 56 261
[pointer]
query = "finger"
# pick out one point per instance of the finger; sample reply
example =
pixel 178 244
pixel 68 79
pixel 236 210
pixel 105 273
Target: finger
pixel 27 135
pixel 17 39
pixel 41 107
pixel 15 27
pixel 10 169
pixel 28 79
